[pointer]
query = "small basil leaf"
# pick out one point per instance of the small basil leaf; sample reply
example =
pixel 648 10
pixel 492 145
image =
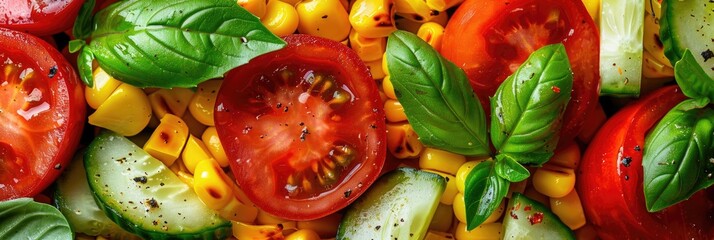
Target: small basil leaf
pixel 508 168
pixel 24 218
pixel 158 43
pixel 84 66
pixel 677 153
pixel 83 25
pixel 436 96
pixel 527 109
pixel 76 45
pixel 484 191
pixel 692 79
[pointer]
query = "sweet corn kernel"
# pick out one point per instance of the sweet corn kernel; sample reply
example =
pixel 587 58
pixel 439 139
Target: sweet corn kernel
pixel 385 69
pixel 438 235
pixel 201 105
pixel 368 49
pixel 323 18
pixel 194 152
pixel 104 86
pixel 443 216
pixel 186 178
pixel 174 101
pixel 213 143
pixel 303 234
pixel 375 69
pixel 247 231
pixel 554 181
pixel 255 7
pixel 210 186
pixel 325 227
pixel 394 111
pixel 373 18
pixel 442 5
pixel 440 160
pixel 168 139
pixel 432 33
pixel 402 141
pixel 113 113
pixel 280 18
pixel 269 219
pixel 567 156
pixel 463 172
pixel 569 210
pixel 388 88
pixel 450 191
pixel 482 232
pixel 239 212
pixel 532 193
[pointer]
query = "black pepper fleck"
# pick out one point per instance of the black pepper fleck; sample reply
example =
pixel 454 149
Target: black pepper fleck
pixel 53 72
pixel 141 179
pixel 626 161
pixel 707 54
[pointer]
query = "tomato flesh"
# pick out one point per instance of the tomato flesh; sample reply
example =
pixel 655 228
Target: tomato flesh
pixel 303 128
pixel 39 17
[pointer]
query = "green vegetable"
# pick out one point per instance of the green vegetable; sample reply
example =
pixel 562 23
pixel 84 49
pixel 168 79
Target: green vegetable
pixel 621 51
pixel 436 96
pixel 528 219
pixel 687 24
pixel 677 157
pixel 507 167
pixel 692 79
pixel 484 191
pixel 158 43
pixel 24 218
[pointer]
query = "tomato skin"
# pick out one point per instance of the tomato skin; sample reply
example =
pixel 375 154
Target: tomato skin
pixel 40 130
pixel 479 38
pixel 612 193
pixel 39 17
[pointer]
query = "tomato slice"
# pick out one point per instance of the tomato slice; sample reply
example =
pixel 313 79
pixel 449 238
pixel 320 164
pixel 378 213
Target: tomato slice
pixel 303 128
pixel 489 39
pixel 42 112
pixel 39 17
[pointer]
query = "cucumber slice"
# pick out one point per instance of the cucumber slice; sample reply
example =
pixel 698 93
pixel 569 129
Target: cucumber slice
pixel 76 202
pixel 529 219
pixel 689 24
pixel 143 196
pixel 399 205
pixel 621 35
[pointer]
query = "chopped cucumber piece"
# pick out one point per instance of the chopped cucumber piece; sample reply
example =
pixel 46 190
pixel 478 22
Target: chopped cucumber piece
pixel 621 36
pixel 529 219
pixel 689 24
pixel 399 205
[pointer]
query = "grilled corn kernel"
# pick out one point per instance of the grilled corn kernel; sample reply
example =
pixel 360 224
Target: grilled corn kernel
pixel 402 141
pixel 438 235
pixel 394 111
pixel 201 105
pixel 450 191
pixel 368 49
pixel 373 18
pixel 569 210
pixel 167 140
pixel 592 124
pixel 567 157
pixel 442 5
pixel 213 143
pixel 174 101
pixel 303 234
pixel 239 212
pixel 462 173
pixel 460 210
pixel 431 33
pixel 554 181
pixel 482 232
pixel 113 113
pixel 325 227
pixel 440 160
pixel 194 152
pixel 532 193
pixel 104 86
pixel 415 10
pixel 443 216
pixel 247 231
pixel 210 186
pixel 323 18
pixel 375 69
pixel 388 88
pixel 256 7
pixel 654 68
pixel 442 18
pixel 280 18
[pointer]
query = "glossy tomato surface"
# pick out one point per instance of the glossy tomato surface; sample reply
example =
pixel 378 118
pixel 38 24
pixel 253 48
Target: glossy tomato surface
pixel 610 179
pixel 490 40
pixel 303 128
pixel 39 17
pixel 42 110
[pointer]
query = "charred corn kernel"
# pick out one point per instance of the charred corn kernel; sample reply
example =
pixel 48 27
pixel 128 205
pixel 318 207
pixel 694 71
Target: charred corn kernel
pixel 201 105
pixel 280 18
pixel 532 193
pixel 323 18
pixel 442 18
pixel 388 88
pixel 375 69
pixel 431 33
pixel 651 41
pixel 482 232
pixel 210 186
pixel 373 18
pixel 104 86
pixel 303 234
pixel 174 101
pixel 519 187
pixel 194 152
pixel 368 49
pixel 402 141
pixel 593 7
pixel 213 143
pixel 440 160
pixel 586 232
pixel 450 191
pixel 438 235
pixel 239 212
pixel 443 216
pixel 194 126
pixel 415 10
pixel 247 231
pixel 113 113
pixel 654 68
pixel 394 111
pixel 256 7
pixel 325 227
pixel 168 139
pixel 567 156
pixel 442 5
pixel 186 178
pixel 569 210
pixel 554 181
pixel 592 124
pixel 463 172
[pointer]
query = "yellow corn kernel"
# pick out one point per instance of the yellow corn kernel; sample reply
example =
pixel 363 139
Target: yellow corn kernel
pixel 463 172
pixel 201 105
pixel 592 124
pixel 104 86
pixel 291 2
pixel 168 139
pixel 482 232
pixel 375 69
pixel 303 234
pixel 280 18
pixel 442 5
pixel 325 227
pixel 394 111
pixel 402 141
pixel 450 191
pixel 438 235
pixel 460 210
pixel 408 25
pixel 368 49
pixel 569 210
pixel 256 7
pixel 567 157
pixel 194 126
pixel 385 69
pixel 239 212
pixel 654 68
pixel 388 88
pixel 174 101
pixel 432 33
pixel 586 232
pixel 519 187
pixel 415 10
pixel 210 186
pixel 440 160
pixel 213 143
pixel 149 90
pixel 113 113
pixel 323 18
pixel 373 18
pixel 186 178
pixel 268 219
pixel 554 181
pixel 194 152
pixel 443 216
pixel 537 196
pixel 247 231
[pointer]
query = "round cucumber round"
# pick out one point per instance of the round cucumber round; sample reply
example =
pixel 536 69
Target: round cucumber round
pixel 621 36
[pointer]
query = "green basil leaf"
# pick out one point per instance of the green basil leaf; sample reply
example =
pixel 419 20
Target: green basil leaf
pixel 24 218
pixel 527 109
pixel 484 191
pixel 84 66
pixel 436 96
pixel 508 168
pixel 83 25
pixel 158 43
pixel 691 78
pixel 677 154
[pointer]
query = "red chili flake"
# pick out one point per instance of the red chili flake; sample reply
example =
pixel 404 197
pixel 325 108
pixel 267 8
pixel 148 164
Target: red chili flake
pixel 536 218
pixel 513 215
pixel 555 89
pixel 527 208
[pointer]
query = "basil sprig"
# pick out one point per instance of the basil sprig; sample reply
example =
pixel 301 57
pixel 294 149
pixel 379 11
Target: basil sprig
pixel 158 43
pixel 527 113
pixel 24 218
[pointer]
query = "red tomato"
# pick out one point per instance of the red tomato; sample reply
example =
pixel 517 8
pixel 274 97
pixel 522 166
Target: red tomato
pixel 39 17
pixel 610 179
pixel 303 128
pixel 42 112
pixel 490 39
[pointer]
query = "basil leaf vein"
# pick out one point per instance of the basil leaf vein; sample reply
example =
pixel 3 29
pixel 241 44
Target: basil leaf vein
pixel 24 218
pixel 484 191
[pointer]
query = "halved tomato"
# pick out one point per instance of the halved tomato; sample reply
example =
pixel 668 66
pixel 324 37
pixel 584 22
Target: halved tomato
pixel 39 17
pixel 303 128
pixel 42 114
